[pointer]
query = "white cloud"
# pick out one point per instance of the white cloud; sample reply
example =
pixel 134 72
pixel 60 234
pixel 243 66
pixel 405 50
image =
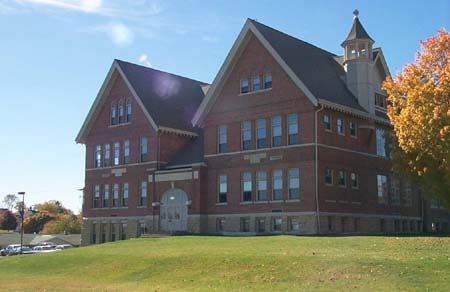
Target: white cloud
pixel 143 59
pixel 119 33
pixel 90 6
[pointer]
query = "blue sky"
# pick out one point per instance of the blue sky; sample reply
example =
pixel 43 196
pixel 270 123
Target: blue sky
pixel 55 54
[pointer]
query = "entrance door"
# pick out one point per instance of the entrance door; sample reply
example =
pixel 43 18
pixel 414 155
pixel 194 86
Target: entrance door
pixel 174 211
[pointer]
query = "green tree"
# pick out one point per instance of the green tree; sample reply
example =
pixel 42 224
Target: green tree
pixel 7 220
pixel 419 110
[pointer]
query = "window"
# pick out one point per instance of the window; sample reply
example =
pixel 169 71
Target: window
pixel 144 149
pixel 381 142
pixel 123 231
pixel 96 197
pixel 246 187
pixel 128 118
pixel 380 101
pixel 245 224
pixel 220 224
pixel 115 201
pixel 113 232
pixel 276 131
pixel 381 188
pixel 113 114
pixel 126 152
pixel 125 195
pixel 276 224
pixel 116 153
pixel 105 196
pixel 143 194
pixel 261 134
pixel 294 184
pixel 407 194
pixel 328 176
pixel 293 224
pixel 354 180
pixel 244 86
pixel 327 122
pixel 98 156
pixel 342 178
pixel 246 135
pixel 340 126
pixel 292 129
pixel 256 83
pixel 395 190
pixel 121 112
pixel 261 184
pixel 222 137
pixel 277 185
pixel 222 189
pixel 267 81
pixel 107 155
pixel 352 127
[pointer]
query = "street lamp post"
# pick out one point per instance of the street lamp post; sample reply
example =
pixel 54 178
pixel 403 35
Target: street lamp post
pixel 22 212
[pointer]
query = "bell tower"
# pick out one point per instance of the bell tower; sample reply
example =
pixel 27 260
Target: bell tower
pixel 358 64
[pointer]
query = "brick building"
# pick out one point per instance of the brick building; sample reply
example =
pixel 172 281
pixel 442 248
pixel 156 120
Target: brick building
pixel 289 138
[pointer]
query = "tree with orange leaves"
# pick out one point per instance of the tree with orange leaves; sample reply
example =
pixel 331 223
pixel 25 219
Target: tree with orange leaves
pixel 419 110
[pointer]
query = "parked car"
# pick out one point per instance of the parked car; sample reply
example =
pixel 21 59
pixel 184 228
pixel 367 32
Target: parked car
pixel 63 246
pixel 9 250
pixel 48 243
pixel 23 250
pixel 43 248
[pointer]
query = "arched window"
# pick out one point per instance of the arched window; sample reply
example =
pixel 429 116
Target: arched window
pixel 113 114
pixel 128 111
pixel 121 112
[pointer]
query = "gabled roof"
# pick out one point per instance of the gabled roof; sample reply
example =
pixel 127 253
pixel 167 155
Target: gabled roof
pixel 316 72
pixel 168 101
pixel 357 31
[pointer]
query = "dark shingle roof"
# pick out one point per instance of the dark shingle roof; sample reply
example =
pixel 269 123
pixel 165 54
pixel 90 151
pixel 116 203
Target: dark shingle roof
pixel 357 31
pixel 316 68
pixel 171 100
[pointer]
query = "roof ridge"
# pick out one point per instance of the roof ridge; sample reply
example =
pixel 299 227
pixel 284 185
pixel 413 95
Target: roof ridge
pixel 290 36
pixel 160 71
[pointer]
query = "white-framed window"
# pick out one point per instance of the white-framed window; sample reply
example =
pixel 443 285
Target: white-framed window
pixel 245 224
pixel 244 86
pixel 267 80
pixel 107 155
pixel 328 176
pixel 98 156
pixel 353 129
pixel 382 188
pixel 116 153
pixel 277 223
pixel 327 122
pixel 126 152
pixel 261 134
pixel 223 187
pixel 256 83
pixel 113 114
pixel 115 201
pixel 222 139
pixel 381 142
pixel 129 109
pixel 144 149
pixel 276 131
pixel 246 178
pixel 342 178
pixel 246 135
pixel 277 185
pixel 294 183
pixel 380 101
pixel 292 121
pixel 124 195
pixel 220 224
pixel 121 112
pixel 354 180
pixel 261 184
pixel 143 194
pixel 260 224
pixel 105 196
pixel 96 197
pixel 340 126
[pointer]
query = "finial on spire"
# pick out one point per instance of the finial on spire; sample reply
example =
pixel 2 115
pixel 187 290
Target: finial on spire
pixel 356 13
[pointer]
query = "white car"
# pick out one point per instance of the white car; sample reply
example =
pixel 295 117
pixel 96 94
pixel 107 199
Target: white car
pixel 63 246
pixel 10 250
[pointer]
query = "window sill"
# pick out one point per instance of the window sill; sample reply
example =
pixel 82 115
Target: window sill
pixel 262 202
pixel 329 185
pixel 119 125
pixel 246 203
pixel 255 91
pixel 293 201
pixel 277 201
pixel 222 204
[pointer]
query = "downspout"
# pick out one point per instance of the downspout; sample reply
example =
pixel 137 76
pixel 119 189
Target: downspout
pixel 158 154
pixel 317 168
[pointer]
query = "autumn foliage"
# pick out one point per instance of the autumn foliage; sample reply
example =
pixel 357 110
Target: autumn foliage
pixel 419 110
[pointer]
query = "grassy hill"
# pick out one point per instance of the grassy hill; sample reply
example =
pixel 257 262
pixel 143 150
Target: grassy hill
pixel 202 263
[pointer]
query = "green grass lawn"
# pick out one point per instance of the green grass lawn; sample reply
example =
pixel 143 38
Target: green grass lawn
pixel 272 263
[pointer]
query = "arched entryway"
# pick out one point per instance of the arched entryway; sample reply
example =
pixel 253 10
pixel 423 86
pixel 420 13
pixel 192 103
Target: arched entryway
pixel 174 211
